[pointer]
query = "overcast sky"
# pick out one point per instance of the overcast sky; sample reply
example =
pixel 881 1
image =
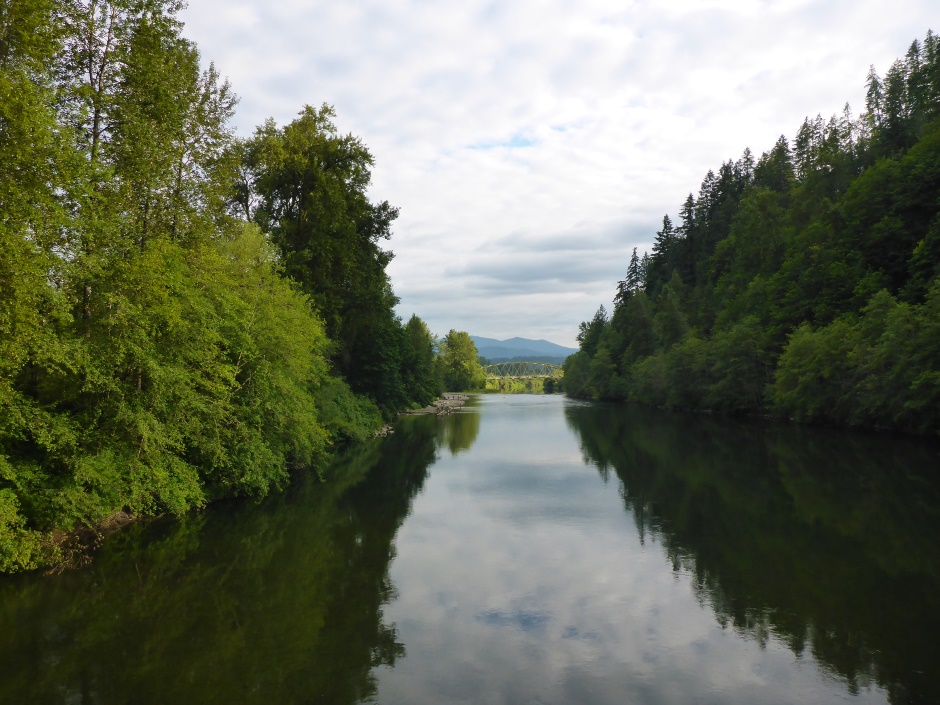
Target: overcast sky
pixel 531 145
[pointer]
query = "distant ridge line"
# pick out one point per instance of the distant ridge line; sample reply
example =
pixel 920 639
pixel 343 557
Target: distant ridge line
pixel 521 349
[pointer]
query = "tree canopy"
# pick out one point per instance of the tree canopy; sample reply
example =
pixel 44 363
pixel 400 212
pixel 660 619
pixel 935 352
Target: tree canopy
pixel 183 315
pixel 459 363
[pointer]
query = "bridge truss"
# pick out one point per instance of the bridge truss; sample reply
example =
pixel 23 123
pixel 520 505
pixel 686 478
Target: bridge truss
pixel 522 370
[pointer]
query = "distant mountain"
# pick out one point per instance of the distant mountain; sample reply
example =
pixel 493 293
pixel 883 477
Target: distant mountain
pixel 521 349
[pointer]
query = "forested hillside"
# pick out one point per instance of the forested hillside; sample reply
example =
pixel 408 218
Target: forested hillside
pixel 802 283
pixel 183 315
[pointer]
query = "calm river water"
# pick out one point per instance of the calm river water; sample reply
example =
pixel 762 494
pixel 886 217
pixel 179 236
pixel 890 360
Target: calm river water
pixel 532 549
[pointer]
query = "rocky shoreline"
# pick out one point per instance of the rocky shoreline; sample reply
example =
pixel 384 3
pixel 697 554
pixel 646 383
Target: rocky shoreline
pixel 447 404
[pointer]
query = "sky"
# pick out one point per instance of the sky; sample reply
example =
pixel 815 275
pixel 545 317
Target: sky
pixel 530 146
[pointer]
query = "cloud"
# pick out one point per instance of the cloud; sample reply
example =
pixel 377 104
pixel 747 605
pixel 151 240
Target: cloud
pixel 524 620
pixel 517 125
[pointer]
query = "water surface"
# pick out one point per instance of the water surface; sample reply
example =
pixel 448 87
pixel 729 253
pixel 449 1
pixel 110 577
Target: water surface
pixel 531 550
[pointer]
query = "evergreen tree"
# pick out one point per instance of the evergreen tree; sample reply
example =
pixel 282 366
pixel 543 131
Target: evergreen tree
pixel 665 256
pixel 774 169
pixel 874 99
pixel 664 237
pixel 931 76
pixel 633 282
pixel 634 273
pixel 644 269
pixel 895 128
pixel 589 332
pixel 687 217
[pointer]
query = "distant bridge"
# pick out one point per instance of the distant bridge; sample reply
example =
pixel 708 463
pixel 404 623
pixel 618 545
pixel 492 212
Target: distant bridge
pixel 523 370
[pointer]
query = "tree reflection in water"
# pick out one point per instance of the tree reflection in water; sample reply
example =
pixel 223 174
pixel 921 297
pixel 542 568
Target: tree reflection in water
pixel 822 541
pixel 280 601
pixel 459 431
pixel 825 540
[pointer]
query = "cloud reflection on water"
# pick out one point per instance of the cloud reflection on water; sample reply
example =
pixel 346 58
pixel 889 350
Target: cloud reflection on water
pixel 550 593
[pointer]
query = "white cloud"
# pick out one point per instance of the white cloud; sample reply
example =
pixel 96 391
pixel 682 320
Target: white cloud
pixel 496 124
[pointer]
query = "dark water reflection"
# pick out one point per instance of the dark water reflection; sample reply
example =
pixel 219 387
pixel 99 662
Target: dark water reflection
pixel 558 552
pixel 280 602
pixel 828 542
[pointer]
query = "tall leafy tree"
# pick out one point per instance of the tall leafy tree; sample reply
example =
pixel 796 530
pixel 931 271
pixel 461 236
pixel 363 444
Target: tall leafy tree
pixel 153 354
pixel 459 363
pixel 36 161
pixel 310 184
pixel 420 374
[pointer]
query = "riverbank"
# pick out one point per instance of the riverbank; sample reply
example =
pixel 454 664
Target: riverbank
pixel 65 550
pixel 56 551
pixel 447 404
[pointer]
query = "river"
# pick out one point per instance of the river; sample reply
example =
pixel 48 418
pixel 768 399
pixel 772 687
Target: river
pixel 530 549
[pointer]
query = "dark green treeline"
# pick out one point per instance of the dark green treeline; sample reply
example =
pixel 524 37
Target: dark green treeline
pixel 183 315
pixel 803 283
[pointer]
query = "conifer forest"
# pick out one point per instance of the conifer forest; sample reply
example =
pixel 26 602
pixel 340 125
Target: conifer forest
pixel 801 284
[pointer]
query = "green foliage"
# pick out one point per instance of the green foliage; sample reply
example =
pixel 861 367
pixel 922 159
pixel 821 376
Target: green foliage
pixel 589 335
pixel 804 284
pixel 20 548
pixel 195 377
pixel 576 374
pixel 419 372
pixel 881 370
pixel 533 385
pixel 602 375
pixel 306 184
pixel 193 592
pixel 459 367
pixel 814 370
pixel 739 367
pixel 310 186
pixel 154 354
pixel 890 209
pixel 347 416
pixel 637 327
pixel 669 322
